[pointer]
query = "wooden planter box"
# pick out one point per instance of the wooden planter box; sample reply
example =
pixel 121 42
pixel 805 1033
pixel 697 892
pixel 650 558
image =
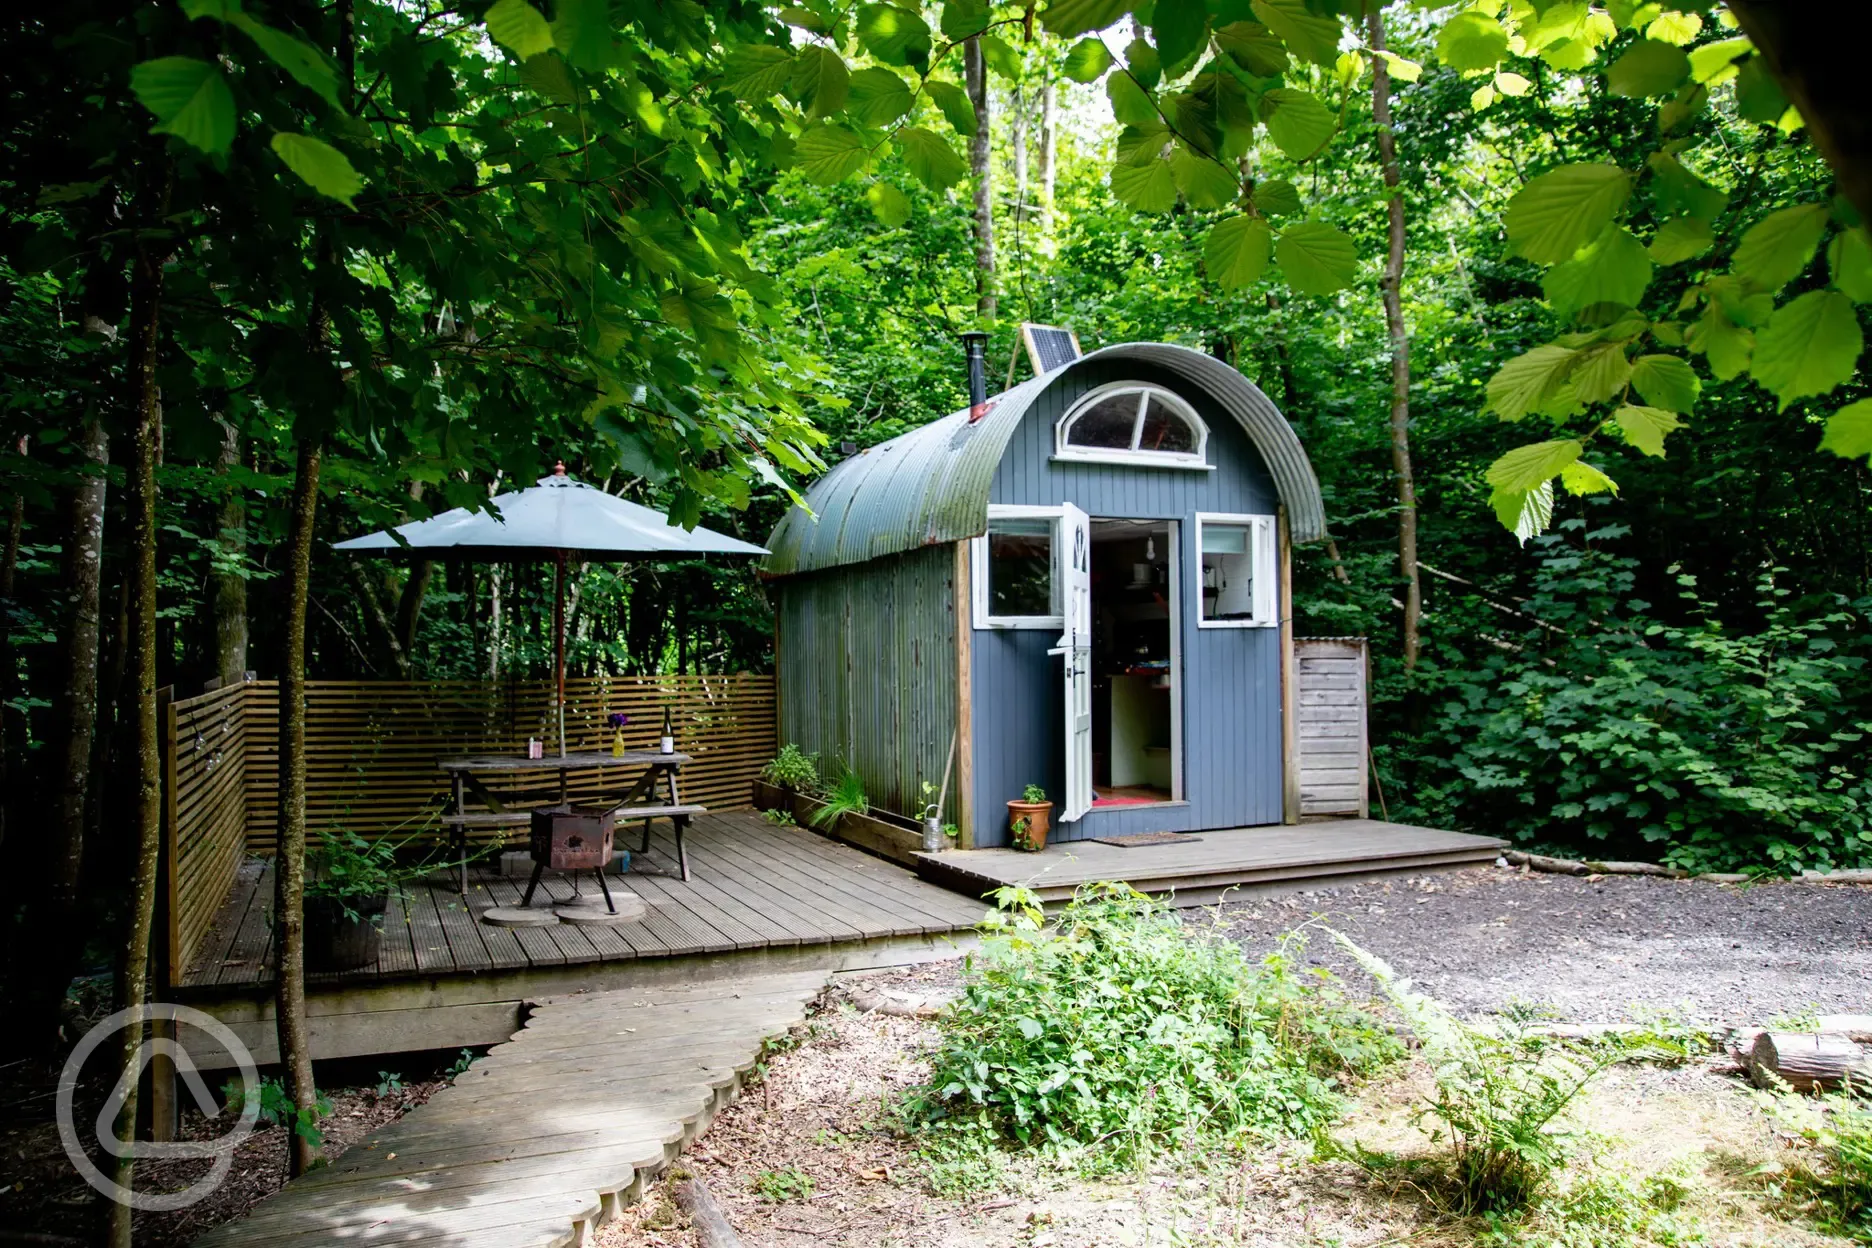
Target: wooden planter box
pixel 880 833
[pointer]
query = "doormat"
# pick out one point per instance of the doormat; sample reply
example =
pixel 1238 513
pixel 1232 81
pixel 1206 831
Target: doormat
pixel 1145 838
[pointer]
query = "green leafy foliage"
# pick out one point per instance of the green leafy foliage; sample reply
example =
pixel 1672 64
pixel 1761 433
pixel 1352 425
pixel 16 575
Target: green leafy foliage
pixel 930 158
pixel 1648 67
pixel 1645 427
pixel 1150 187
pixel 1088 59
pixel 1557 213
pixel 1613 268
pixel 521 28
pixel 793 768
pixel 1707 747
pixel 1849 430
pixel 955 106
pixel 320 166
pixel 1776 248
pixel 1830 1184
pixel 1810 345
pixel 1126 1032
pixel 1316 258
pixel 190 98
pixel 844 796
pixel 1236 251
pixel 1297 122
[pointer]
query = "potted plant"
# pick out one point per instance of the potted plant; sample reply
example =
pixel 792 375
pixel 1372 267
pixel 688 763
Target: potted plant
pixel 789 775
pixel 1028 819
pixel 348 885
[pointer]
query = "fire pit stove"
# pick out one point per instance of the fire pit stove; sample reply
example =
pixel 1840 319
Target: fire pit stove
pixel 572 839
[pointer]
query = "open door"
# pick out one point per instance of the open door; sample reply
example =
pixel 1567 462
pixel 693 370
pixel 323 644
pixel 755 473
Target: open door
pixel 1075 645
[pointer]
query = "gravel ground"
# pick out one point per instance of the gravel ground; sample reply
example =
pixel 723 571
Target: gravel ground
pixel 1614 949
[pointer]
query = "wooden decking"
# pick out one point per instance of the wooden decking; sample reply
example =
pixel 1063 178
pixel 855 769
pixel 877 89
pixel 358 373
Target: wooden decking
pixel 1200 868
pixel 753 886
pixel 548 1134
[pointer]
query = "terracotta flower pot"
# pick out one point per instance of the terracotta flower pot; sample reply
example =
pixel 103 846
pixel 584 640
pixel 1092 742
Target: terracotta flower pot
pixel 1036 814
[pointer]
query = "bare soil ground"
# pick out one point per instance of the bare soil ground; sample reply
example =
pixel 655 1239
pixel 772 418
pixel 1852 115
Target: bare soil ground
pixel 43 1200
pixel 1612 949
pixel 813 1157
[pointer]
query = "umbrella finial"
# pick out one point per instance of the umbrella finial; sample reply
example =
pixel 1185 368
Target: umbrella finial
pixel 559 468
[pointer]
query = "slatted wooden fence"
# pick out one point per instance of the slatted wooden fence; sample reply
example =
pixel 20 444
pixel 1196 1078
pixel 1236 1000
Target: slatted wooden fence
pixel 205 783
pixel 1331 729
pixel 372 750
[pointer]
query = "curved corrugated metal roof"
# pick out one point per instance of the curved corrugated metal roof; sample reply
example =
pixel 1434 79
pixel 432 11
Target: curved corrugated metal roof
pixel 931 484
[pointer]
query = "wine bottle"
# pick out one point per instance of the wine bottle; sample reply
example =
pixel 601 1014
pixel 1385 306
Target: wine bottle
pixel 668 742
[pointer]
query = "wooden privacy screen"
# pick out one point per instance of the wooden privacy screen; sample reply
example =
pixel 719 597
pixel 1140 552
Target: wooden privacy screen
pixel 205 783
pixel 1331 736
pixel 372 748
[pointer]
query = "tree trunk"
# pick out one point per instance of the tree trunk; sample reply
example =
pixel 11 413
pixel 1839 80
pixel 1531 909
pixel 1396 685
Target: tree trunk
pixel 1017 141
pixel 146 778
pixel 494 622
pixel 1817 60
pixel 12 723
pixel 289 858
pixel 1390 284
pixel 78 703
pixel 975 68
pixel 1049 152
pixel 228 587
pixel 409 611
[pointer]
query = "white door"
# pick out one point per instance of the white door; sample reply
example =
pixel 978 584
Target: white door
pixel 1075 645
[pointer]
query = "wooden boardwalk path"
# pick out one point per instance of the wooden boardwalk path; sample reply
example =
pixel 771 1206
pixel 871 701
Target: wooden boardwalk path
pixel 545 1137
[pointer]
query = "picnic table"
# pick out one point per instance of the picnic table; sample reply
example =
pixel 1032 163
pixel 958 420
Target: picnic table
pixel 640 802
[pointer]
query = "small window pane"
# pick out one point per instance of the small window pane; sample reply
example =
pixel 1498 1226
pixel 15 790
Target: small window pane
pixel 1165 430
pixel 1108 424
pixel 1020 568
pixel 1227 571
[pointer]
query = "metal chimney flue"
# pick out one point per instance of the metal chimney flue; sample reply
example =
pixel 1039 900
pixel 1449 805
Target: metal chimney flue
pixel 975 342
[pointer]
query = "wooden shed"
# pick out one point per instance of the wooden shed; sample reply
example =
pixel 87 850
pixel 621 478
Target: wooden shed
pixel 1081 583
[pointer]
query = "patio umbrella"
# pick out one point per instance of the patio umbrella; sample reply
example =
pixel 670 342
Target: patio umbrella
pixel 559 519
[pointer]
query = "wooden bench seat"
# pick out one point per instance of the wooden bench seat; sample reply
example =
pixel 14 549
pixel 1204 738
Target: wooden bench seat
pixel 488 819
pixel 677 815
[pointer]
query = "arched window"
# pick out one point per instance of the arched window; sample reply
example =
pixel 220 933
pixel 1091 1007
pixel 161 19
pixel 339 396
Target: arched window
pixel 1135 423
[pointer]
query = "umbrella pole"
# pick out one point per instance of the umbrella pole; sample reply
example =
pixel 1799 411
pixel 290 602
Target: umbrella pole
pixel 559 566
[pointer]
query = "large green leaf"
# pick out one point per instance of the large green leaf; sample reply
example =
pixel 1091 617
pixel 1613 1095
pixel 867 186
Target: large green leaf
pixel 1088 59
pixel 891 205
pixel 1776 248
pixel 547 74
pixel 1557 213
pixel 1277 197
pixel 1680 239
pixel 1254 47
pixel 1600 371
pixel 828 153
pixel 191 100
pixel 893 35
pixel 1580 477
pixel 820 80
pixel 1067 18
pixel 878 96
pixel 999 55
pixel 1666 381
pixel 1306 34
pixel 1613 268
pixel 305 63
pixel 1181 31
pixel 1129 103
pixel 757 71
pixel 1758 95
pixel 1236 251
pixel 1149 187
pixel 1810 345
pixel 1711 62
pixel 520 28
pixel 962 18
pixel 1648 68
pixel 1849 430
pixel 1297 122
pixel 1526 467
pixel 1205 182
pixel 1679 191
pixel 1471 40
pixel 320 166
pixel 1849 260
pixel 1645 427
pixel 955 105
pixel 1525 513
pixel 582 33
pixel 1143 62
pixel 1526 382
pixel 1316 258
pixel 1727 345
pixel 931 159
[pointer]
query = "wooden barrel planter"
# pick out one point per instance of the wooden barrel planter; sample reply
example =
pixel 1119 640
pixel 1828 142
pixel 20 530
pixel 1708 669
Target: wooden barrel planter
pixel 343 933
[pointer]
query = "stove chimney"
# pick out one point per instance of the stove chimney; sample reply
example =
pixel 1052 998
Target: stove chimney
pixel 975 342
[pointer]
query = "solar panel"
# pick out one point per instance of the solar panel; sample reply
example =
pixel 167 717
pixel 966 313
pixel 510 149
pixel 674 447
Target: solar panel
pixel 1049 346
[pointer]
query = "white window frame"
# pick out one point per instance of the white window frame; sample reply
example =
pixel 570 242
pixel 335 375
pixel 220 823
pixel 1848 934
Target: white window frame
pixel 1264 532
pixel 978 568
pixel 1146 391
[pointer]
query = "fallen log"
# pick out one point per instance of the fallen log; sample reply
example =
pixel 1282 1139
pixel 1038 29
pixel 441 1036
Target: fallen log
pixel 1807 1061
pixel 1839 877
pixel 1541 862
pixel 1855 1027
pixel 1635 868
pixel 711 1227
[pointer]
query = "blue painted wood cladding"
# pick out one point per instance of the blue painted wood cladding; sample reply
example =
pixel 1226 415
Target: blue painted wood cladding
pixel 1230 677
pixel 866 669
